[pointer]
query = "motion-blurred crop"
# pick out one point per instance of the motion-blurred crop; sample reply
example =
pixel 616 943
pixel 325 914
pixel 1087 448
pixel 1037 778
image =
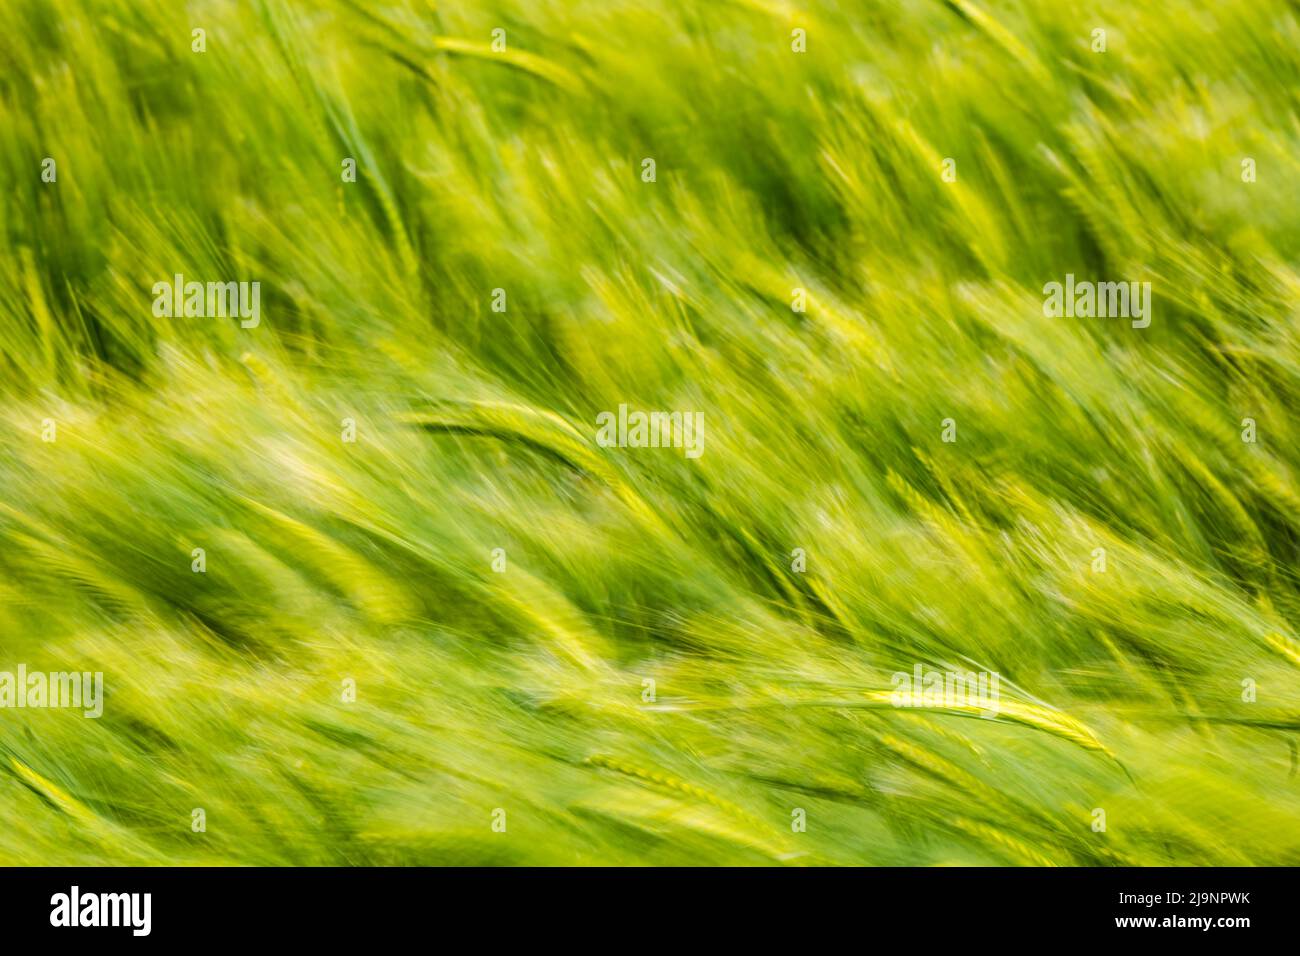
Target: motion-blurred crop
pixel 474 633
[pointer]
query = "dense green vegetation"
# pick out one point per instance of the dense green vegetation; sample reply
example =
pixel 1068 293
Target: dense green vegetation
pixel 328 562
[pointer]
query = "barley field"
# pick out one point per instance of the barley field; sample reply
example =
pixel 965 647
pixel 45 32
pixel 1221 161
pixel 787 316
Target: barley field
pixel 327 326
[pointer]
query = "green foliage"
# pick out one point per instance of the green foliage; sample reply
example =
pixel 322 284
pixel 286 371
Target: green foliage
pixel 520 169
